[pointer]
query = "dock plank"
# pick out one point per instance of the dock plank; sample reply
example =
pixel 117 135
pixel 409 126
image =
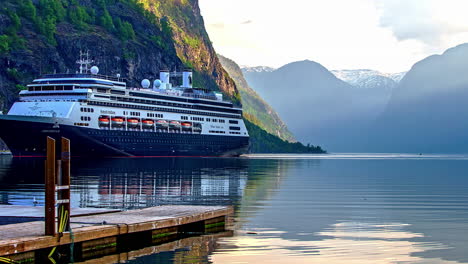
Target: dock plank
pixel 24 237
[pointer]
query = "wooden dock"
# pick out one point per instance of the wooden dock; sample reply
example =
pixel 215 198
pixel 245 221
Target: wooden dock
pixel 110 233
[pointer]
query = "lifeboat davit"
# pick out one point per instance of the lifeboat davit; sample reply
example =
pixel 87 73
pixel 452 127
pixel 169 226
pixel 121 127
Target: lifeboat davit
pixel 104 121
pixel 117 121
pixel 174 124
pixel 148 123
pixel 162 123
pixel 133 122
pixel 186 125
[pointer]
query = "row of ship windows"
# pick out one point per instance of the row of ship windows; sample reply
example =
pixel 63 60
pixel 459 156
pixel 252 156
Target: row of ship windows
pixel 154 115
pixel 81 124
pixel 217 132
pixel 101 90
pixel 200 107
pixel 91 110
pixel 54 94
pixel 50 88
pixel 169 137
pixel 116 139
pixel 158 109
pixel 216 120
pixel 235 133
pixel 87 110
pixel 185 100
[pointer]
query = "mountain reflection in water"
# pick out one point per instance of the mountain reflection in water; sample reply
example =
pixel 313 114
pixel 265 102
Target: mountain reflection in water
pixel 297 209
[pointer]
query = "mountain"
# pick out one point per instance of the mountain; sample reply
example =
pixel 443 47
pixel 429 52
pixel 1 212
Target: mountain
pixel 256 110
pixel 427 111
pixel 257 69
pixel 316 105
pixel 397 76
pixel 133 38
pixel 367 79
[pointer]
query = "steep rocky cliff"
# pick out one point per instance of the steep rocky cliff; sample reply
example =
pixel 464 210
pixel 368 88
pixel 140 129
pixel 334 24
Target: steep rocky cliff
pixel 136 38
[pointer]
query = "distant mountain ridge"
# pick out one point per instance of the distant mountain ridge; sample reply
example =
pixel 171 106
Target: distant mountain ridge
pixel 427 111
pixel 366 78
pixel 316 105
pixel 423 110
pixel 257 69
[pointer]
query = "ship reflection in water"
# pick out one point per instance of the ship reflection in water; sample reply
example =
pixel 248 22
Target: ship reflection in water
pixel 292 209
pixel 138 183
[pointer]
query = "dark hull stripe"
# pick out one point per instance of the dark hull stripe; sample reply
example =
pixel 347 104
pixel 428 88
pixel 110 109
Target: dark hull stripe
pixel 28 139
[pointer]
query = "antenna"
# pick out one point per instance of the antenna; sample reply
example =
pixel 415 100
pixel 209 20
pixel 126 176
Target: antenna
pixel 84 61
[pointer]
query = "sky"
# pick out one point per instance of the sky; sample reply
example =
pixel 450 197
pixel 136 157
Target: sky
pixel 385 35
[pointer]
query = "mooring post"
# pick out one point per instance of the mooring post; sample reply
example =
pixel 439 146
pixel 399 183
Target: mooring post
pixel 50 189
pixel 64 187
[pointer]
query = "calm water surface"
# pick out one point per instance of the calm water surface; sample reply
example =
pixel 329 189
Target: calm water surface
pixel 343 208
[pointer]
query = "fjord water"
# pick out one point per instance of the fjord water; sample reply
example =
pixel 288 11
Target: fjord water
pixel 348 208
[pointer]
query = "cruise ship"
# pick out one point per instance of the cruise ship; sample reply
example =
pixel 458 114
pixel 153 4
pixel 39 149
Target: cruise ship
pixel 103 117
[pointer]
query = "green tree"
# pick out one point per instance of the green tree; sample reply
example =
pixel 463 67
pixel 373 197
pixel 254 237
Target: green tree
pixel 124 29
pixel 78 16
pixel 50 30
pixel 28 9
pixel 106 21
pixel 53 9
pixel 4 44
pixel 15 23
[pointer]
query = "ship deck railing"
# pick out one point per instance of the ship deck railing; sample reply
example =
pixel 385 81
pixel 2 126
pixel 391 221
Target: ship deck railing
pixel 83 75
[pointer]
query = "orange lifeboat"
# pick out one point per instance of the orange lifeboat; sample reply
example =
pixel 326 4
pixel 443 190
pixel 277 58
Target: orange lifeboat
pixel 133 122
pixel 186 125
pixel 117 121
pixel 104 121
pixel 174 124
pixel 162 123
pixel 148 123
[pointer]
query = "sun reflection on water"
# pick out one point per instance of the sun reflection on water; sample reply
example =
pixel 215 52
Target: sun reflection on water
pixel 344 242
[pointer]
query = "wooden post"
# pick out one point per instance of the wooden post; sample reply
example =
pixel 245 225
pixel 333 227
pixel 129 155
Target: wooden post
pixel 64 192
pixel 50 189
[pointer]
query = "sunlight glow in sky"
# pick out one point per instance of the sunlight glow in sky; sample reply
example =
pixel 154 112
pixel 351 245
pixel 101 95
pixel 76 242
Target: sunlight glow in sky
pixel 386 35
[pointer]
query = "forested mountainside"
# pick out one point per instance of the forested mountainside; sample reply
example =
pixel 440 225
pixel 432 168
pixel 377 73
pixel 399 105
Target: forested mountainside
pixel 256 110
pixel 136 38
pixel 264 142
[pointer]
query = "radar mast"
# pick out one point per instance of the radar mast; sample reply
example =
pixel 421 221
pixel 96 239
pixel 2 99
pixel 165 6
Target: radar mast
pixel 84 62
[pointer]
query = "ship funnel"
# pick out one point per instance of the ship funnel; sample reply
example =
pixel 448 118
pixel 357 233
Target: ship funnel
pixel 187 78
pixel 164 76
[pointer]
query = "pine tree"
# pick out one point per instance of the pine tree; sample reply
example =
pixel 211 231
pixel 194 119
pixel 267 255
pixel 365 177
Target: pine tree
pixel 28 10
pixel 106 21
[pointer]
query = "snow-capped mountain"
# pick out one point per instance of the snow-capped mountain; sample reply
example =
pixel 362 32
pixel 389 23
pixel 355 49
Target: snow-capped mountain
pixel 397 76
pixel 257 69
pixel 365 78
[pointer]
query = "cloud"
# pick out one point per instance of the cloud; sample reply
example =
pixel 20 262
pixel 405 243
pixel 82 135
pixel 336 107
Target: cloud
pixel 429 21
